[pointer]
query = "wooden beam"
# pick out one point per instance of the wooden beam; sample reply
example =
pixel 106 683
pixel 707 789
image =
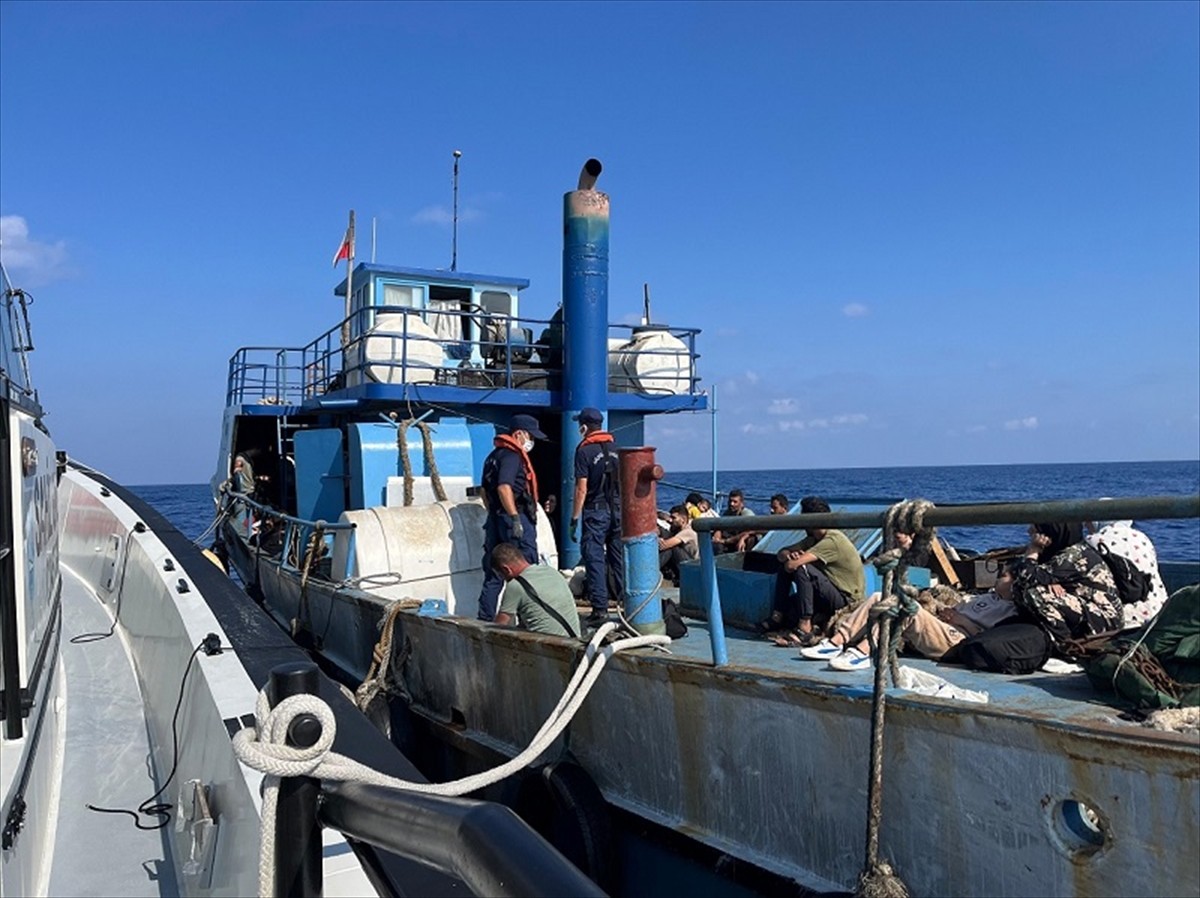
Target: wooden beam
pixel 946 572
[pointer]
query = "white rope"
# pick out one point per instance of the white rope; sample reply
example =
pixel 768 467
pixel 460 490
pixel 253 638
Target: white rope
pixel 263 747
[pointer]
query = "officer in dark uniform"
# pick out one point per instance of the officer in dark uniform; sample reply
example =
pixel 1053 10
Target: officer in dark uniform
pixel 510 491
pixel 598 498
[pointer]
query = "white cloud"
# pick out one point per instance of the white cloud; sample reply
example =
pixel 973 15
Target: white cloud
pixel 1029 423
pixel 755 428
pixel 444 217
pixel 792 424
pixel 34 260
pixel 855 310
pixel 977 428
pixel 752 376
pixel 786 406
pixel 819 423
pixel 849 420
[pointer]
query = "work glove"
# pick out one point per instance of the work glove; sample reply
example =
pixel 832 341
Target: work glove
pixel 574 530
pixel 518 529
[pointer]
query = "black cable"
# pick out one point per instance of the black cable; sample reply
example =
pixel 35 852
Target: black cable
pixel 83 638
pixel 211 645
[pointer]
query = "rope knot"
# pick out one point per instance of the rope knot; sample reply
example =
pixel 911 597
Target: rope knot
pixel 264 746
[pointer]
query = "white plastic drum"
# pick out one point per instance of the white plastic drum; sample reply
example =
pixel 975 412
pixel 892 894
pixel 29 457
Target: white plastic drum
pixel 401 348
pixel 655 362
pixel 430 551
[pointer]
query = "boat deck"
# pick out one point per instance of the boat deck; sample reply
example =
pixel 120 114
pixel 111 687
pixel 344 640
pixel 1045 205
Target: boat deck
pixel 1067 698
pixel 107 763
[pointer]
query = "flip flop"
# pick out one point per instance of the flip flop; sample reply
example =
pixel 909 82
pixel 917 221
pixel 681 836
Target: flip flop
pixel 787 641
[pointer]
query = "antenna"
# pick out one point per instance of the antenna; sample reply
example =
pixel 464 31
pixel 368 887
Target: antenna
pixel 454 246
pixel 645 304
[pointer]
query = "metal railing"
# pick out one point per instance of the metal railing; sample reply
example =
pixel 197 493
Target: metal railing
pixel 474 349
pixel 1059 511
pixel 296 530
pixel 485 845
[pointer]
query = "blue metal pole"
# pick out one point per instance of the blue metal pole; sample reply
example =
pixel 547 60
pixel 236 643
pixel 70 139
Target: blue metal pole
pixel 708 581
pixel 585 325
pixel 643 598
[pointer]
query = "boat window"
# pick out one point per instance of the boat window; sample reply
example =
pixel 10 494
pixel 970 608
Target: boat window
pixel 400 295
pixel 497 302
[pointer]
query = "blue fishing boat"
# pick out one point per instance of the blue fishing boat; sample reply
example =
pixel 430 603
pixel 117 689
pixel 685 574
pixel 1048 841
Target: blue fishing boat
pixel 347 490
pixel 137 682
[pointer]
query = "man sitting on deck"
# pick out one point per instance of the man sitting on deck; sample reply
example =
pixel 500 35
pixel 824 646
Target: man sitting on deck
pixel 682 545
pixel 736 508
pixel 536 594
pixel 827 574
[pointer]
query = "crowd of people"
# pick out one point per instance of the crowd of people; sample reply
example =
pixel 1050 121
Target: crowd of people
pixel 1064 587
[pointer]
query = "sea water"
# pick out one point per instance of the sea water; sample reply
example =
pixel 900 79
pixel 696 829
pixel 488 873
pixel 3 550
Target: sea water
pixel 190 506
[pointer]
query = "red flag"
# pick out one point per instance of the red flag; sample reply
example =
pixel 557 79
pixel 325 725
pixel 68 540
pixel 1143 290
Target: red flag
pixel 345 250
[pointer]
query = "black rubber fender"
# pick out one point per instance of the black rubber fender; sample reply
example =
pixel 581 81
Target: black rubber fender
pixel 564 805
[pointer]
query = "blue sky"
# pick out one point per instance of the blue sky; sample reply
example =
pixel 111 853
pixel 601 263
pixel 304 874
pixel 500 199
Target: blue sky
pixel 911 233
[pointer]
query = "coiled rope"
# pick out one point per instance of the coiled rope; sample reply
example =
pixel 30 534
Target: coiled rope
pixel 263 747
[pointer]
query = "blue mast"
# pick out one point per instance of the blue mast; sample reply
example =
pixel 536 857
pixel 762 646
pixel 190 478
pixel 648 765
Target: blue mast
pixel 585 326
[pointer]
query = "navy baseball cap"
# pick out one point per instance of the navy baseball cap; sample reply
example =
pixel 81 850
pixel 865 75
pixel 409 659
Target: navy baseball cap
pixel 590 416
pixel 527 423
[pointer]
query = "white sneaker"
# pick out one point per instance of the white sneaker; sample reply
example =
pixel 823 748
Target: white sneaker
pixel 851 659
pixel 822 651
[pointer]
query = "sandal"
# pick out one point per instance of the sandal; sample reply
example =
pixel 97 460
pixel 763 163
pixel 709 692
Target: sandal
pixel 796 639
pixel 771 623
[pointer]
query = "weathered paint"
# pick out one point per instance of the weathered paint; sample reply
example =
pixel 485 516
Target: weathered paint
pixel 766 758
pixel 772 766
pixel 639 501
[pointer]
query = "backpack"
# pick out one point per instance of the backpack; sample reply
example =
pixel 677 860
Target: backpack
pixel 673 620
pixel 1132 585
pixel 1157 666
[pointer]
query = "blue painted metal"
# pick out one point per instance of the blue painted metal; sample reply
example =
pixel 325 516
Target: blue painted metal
pixel 716 629
pixel 320 474
pixel 643 594
pixel 374 456
pixel 585 320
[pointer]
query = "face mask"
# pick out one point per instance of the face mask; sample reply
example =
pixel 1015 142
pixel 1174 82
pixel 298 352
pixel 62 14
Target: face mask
pixel 527 445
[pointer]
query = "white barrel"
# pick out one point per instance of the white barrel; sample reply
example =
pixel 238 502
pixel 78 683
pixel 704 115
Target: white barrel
pixel 617 382
pixel 432 551
pixel 656 362
pixel 400 348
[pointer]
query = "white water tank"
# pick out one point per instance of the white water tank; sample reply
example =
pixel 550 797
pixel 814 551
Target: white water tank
pixel 400 348
pixel 432 551
pixel 654 361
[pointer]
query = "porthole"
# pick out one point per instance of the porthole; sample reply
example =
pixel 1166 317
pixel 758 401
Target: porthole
pixel 1079 829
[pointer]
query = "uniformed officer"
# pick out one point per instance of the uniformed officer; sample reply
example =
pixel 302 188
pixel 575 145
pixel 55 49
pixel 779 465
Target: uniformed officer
pixel 510 491
pixel 598 499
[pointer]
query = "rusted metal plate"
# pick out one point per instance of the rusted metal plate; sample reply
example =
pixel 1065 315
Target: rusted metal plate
pixel 770 765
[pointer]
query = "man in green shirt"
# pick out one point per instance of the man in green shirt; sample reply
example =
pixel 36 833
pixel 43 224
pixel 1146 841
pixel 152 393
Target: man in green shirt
pixel 827 574
pixel 536 594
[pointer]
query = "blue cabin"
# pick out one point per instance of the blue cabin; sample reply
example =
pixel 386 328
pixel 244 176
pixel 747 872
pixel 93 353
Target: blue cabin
pixel 456 352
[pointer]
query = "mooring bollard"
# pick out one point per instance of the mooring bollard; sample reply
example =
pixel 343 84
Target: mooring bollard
pixel 639 534
pixel 298 871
